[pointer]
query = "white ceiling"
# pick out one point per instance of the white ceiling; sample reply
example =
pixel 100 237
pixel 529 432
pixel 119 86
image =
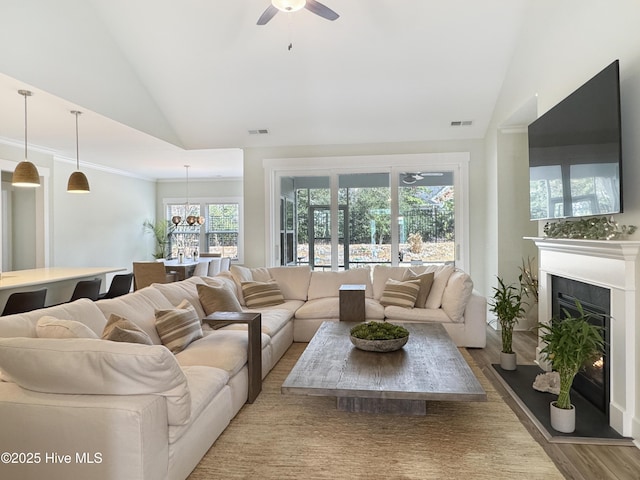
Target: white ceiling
pixel 164 83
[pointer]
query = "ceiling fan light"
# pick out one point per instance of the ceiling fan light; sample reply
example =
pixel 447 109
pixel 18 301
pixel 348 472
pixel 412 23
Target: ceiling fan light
pixel 25 175
pixel 409 179
pixel 289 5
pixel 78 183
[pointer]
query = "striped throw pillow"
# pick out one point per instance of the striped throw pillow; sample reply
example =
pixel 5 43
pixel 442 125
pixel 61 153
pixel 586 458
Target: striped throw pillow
pixel 400 294
pixel 178 327
pixel 261 294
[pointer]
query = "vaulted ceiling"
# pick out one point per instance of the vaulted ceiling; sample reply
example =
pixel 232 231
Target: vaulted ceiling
pixel 163 83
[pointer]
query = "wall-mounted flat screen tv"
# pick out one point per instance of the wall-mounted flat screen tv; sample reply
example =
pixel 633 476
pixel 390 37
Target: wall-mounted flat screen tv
pixel 575 153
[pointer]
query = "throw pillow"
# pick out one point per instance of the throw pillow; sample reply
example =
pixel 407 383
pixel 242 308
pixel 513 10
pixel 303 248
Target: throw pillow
pixel 51 327
pixel 400 294
pixel 178 327
pixel 218 298
pixel 261 294
pixel 119 329
pixel 426 281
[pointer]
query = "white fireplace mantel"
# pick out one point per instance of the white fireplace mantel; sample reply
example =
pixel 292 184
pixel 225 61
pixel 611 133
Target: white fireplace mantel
pixel 615 265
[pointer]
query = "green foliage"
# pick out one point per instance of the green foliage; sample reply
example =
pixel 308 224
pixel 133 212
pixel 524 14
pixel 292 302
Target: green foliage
pixel 528 279
pixel 596 228
pixel 379 331
pixel 508 306
pixel 570 343
pixel 161 231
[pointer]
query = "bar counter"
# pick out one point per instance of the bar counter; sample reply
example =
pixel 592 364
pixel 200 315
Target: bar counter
pixel 59 281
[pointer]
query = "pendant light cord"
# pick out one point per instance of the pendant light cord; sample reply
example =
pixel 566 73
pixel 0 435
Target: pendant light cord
pixel 77 142
pixel 25 125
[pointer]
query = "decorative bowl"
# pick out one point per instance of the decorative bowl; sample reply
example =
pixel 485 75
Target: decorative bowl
pixel 390 345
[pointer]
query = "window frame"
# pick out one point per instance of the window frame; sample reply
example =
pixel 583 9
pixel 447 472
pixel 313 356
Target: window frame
pixel 203 202
pixel 457 162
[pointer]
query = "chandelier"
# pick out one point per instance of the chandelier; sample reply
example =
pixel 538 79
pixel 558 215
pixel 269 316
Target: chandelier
pixel 190 220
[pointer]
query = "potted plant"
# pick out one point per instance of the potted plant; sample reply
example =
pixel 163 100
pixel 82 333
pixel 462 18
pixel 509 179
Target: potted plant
pixel 379 336
pixel 161 231
pixel 507 304
pixel 569 343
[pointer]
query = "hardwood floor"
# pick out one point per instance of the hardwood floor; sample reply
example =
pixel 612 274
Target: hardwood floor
pixel 576 462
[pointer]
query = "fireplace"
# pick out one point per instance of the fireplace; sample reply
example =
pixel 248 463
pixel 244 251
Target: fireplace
pixel 613 265
pixel 592 381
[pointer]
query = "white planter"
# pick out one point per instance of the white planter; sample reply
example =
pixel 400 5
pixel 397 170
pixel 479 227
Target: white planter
pixel 507 361
pixel 563 420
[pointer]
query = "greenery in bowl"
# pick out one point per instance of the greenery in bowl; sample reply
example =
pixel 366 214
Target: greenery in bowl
pixel 379 331
pixel 508 305
pixel 570 342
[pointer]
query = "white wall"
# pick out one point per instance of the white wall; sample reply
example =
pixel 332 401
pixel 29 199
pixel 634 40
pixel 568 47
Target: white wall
pixel 563 45
pixel 254 189
pixel 103 228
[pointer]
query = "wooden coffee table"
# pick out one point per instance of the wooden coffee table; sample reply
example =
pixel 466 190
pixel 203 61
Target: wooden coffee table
pixel 428 367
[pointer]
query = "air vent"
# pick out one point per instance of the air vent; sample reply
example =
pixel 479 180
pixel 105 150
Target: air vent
pixel 259 131
pixel 461 123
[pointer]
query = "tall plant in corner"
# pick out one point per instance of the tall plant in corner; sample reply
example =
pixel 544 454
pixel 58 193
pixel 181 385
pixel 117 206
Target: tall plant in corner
pixel 507 304
pixel 161 231
pixel 569 343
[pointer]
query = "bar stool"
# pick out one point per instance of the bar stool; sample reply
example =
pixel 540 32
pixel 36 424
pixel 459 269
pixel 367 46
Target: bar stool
pixel 120 285
pixel 21 302
pixel 87 289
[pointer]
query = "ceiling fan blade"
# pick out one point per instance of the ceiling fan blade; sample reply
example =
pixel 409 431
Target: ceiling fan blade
pixel 320 9
pixel 267 15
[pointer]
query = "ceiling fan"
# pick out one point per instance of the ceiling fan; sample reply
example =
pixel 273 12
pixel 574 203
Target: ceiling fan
pixel 293 6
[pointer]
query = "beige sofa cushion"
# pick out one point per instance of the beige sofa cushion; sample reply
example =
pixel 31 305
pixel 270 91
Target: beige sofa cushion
pixel 327 284
pixel 456 295
pixel 83 311
pixel 176 292
pixel 51 327
pixel 382 273
pixel 440 279
pixel 329 308
pixel 97 367
pixel 293 281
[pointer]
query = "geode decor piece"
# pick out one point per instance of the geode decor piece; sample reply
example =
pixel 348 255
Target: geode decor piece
pixel 547 382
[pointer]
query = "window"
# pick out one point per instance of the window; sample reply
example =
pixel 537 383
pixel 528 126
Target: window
pixel 223 229
pixel 394 210
pixel 218 231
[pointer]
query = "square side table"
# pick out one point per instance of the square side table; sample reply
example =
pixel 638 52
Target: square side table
pixel 352 303
pixel 254 352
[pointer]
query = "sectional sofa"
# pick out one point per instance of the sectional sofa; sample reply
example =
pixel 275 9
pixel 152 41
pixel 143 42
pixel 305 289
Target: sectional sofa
pixel 74 405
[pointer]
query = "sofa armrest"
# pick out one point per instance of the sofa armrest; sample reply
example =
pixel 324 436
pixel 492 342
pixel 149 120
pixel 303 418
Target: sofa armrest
pixel 106 436
pixel 97 367
pixel 475 319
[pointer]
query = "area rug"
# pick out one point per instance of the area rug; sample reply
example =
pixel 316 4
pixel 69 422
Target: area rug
pixel 592 425
pixel 304 437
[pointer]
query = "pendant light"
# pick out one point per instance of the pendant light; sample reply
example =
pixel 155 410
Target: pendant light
pixel 78 182
pixel 190 220
pixel 26 173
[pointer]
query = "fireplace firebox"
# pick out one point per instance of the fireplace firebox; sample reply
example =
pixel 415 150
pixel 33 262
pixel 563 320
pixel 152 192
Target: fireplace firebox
pixel 592 381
